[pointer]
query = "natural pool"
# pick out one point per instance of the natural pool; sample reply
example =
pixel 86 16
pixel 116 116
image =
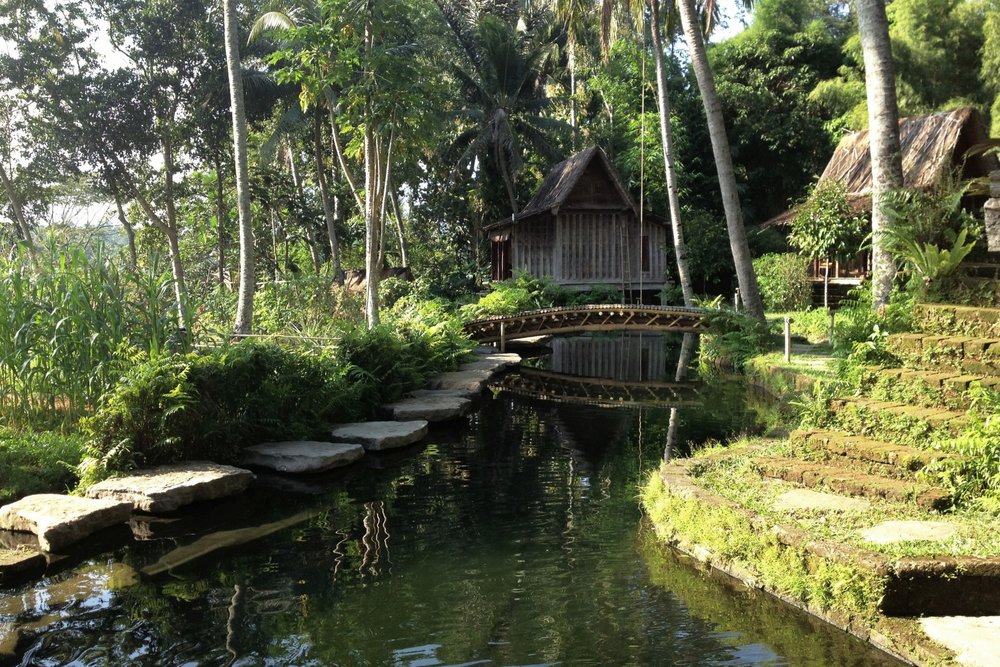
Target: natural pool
pixel 513 538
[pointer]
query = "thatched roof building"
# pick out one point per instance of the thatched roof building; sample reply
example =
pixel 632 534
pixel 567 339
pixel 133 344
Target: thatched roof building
pixel 933 146
pixel 583 229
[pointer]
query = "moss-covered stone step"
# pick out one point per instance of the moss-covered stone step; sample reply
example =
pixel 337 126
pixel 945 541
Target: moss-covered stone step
pixel 966 354
pixel 861 448
pixel 944 319
pixel 852 482
pixel 893 421
pixel 926 388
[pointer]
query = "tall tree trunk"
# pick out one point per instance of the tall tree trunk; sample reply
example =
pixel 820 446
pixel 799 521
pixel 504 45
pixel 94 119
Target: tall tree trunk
pixel 324 194
pixel 572 94
pixel 169 228
pixel 666 137
pixel 133 259
pixel 20 223
pixel 883 134
pixel 749 291
pixel 371 230
pixel 297 182
pixel 403 249
pixel 244 307
pixel 221 218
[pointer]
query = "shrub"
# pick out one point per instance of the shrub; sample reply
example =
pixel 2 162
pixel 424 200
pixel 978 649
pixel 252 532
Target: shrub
pixel 784 281
pixel 211 405
pixel 37 463
pixel 732 340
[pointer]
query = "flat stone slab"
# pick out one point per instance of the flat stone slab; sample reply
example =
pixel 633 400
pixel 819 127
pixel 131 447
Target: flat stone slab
pixel 975 640
pixel 376 436
pixel 18 564
pixel 429 408
pixel 889 532
pixel 804 499
pixel 461 380
pixel 484 365
pixel 169 487
pixel 302 456
pixel 59 521
pixel 460 393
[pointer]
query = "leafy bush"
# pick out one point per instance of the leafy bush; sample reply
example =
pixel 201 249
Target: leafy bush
pixel 825 224
pixel 37 463
pixel 525 292
pixel 732 339
pixel 861 332
pixel 211 405
pixel 784 281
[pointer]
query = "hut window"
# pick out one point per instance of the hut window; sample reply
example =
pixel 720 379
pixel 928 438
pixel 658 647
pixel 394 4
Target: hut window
pixel 645 253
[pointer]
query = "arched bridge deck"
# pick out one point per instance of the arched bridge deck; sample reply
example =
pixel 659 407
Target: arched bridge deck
pixel 577 319
pixel 599 392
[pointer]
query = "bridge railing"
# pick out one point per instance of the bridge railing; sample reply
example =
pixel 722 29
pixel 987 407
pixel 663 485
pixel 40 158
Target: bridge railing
pixel 578 319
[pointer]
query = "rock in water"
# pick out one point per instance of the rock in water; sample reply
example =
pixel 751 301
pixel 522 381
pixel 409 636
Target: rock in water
pixel 375 436
pixel 302 456
pixel 166 488
pixel 429 408
pixel 59 521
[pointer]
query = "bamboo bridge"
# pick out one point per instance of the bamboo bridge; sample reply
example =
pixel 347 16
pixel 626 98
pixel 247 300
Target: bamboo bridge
pixel 577 319
pixel 598 392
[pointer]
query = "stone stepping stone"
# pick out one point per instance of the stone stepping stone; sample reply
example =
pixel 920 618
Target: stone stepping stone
pixel 459 393
pixel 59 520
pixel 302 456
pixel 429 408
pixel 461 380
pixel 805 499
pixel 19 564
pixel 890 532
pixel 169 487
pixel 378 435
pixel 975 640
pixel 484 365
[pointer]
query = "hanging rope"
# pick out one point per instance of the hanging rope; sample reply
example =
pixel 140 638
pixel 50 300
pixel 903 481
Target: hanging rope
pixel 642 155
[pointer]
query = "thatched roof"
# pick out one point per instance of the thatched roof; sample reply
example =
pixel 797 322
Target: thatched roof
pixel 562 178
pixel 932 146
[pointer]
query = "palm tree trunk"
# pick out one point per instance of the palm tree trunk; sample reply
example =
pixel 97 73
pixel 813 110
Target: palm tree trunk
pixel 572 94
pixel 244 307
pixel 23 230
pixel 883 133
pixel 749 291
pixel 666 137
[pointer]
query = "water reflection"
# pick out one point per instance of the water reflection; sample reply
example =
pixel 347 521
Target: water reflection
pixel 515 540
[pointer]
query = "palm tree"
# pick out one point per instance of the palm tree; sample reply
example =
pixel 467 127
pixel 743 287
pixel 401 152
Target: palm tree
pixel 745 275
pixel 883 133
pixel 574 15
pixel 244 308
pixel 505 99
pixel 608 8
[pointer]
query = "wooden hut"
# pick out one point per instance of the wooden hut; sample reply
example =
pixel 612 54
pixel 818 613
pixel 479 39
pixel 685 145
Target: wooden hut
pixel 583 229
pixel 933 147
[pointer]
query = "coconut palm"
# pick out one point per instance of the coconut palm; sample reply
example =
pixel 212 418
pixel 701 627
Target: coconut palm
pixel 504 98
pixel 244 308
pixel 693 33
pixel 883 132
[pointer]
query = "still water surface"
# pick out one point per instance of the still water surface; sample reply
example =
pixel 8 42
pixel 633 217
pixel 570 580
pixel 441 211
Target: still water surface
pixel 513 538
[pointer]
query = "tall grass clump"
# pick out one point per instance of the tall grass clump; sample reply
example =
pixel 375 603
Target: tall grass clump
pixel 69 326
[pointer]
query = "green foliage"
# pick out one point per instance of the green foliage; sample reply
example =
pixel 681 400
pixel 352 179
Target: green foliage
pixel 825 225
pixel 784 281
pixel 209 406
pixel 525 292
pixel 930 232
pixel 732 340
pixel 69 326
pixel 37 463
pixel 974 475
pixel 861 332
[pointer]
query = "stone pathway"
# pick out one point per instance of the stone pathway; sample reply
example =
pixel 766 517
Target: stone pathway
pixel 376 436
pixel 975 640
pixel 167 488
pixel 890 532
pixel 59 521
pixel 302 456
pixel 805 499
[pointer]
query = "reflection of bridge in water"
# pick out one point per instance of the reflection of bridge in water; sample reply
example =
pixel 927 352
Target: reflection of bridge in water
pixel 578 319
pixel 598 392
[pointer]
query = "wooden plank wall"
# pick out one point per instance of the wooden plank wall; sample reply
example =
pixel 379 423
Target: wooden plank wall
pixel 628 357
